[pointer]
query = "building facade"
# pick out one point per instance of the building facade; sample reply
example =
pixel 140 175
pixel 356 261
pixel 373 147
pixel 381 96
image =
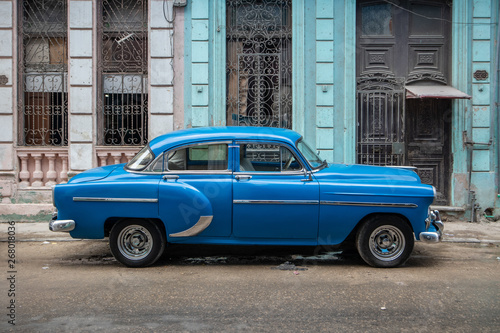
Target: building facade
pixel 85 83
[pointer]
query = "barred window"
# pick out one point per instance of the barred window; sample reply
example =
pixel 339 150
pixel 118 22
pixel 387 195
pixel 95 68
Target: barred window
pixel 259 63
pixel 123 98
pixel 43 106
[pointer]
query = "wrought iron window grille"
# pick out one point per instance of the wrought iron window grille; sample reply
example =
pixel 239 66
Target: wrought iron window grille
pixel 123 69
pixel 259 63
pixel 43 68
pixel 380 103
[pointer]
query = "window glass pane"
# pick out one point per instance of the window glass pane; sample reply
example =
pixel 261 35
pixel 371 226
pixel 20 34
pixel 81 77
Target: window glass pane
pixel 202 157
pixel 267 158
pixel 313 159
pixel 141 160
pixel 376 20
pixel 288 161
pixel 176 160
pixel 426 20
pixel 157 166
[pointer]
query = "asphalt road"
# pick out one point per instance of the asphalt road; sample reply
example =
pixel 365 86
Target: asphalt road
pixel 77 286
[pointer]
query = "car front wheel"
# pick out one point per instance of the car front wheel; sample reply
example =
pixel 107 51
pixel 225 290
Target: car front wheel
pixel 385 241
pixel 136 243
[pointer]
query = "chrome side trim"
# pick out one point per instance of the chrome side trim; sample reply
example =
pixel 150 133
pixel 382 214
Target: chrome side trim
pixel 277 202
pixel 369 204
pixel 91 199
pixel 201 225
pixel 62 225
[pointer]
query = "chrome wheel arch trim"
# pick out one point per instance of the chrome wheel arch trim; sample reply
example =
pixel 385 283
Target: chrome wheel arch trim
pixel 196 229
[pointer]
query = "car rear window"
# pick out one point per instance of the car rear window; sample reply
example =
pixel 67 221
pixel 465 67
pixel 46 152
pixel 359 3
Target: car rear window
pixel 141 160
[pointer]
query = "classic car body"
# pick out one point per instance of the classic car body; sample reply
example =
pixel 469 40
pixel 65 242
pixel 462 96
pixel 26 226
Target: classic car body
pixel 245 186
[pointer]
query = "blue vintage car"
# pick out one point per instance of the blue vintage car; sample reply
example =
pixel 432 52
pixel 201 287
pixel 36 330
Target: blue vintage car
pixel 245 186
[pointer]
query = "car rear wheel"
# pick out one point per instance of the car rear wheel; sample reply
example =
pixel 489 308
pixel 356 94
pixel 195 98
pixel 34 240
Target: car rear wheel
pixel 385 241
pixel 136 243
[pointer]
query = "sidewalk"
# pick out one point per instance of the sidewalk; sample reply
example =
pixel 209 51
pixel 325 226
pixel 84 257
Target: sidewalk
pixel 454 232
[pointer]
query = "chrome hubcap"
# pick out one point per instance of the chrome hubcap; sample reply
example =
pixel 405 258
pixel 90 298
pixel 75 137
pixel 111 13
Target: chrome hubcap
pixel 387 243
pixel 135 242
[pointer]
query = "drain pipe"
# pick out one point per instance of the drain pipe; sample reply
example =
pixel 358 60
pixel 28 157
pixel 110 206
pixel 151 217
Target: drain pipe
pixel 472 193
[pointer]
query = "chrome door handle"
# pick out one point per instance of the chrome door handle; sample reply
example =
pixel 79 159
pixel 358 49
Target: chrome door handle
pixel 242 177
pixel 171 177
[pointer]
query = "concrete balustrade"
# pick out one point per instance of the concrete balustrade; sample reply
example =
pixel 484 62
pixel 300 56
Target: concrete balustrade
pixel 42 168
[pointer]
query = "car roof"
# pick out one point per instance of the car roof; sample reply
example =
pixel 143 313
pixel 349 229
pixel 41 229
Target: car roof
pixel 193 135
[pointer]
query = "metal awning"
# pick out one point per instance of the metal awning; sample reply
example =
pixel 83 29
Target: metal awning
pixel 435 92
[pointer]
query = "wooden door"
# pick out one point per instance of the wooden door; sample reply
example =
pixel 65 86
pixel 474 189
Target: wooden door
pixel 409 42
pixel 428 143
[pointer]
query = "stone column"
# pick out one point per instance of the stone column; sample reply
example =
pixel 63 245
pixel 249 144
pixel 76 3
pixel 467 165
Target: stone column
pixel 81 83
pixel 38 173
pixel 7 100
pixel 51 173
pixel 161 72
pixel 24 174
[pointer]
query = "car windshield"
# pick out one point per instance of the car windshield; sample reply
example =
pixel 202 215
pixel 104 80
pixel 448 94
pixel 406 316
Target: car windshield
pixel 313 159
pixel 141 160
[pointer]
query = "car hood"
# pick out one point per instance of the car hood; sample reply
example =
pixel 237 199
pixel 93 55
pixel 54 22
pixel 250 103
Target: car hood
pixel 367 173
pixel 95 174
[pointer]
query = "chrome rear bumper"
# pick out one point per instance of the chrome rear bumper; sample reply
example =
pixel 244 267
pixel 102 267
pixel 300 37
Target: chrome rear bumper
pixel 434 221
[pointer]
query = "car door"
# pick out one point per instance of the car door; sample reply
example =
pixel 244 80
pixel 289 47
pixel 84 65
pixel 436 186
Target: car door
pixel 196 184
pixel 273 196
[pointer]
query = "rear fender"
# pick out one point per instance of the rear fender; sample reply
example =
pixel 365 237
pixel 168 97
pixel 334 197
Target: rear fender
pixel 181 207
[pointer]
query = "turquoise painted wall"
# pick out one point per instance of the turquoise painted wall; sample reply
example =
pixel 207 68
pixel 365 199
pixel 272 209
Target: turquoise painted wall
pixel 324 48
pixel 478 116
pixel 324 83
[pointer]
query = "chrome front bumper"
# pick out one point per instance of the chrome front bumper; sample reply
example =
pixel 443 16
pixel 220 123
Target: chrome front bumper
pixel 434 221
pixel 61 225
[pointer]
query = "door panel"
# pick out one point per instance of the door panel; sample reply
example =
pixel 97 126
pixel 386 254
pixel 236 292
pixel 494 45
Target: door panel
pixel 273 198
pixel 275 206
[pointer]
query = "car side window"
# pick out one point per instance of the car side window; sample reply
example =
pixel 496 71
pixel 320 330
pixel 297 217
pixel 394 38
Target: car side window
pixel 197 158
pixel 267 158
